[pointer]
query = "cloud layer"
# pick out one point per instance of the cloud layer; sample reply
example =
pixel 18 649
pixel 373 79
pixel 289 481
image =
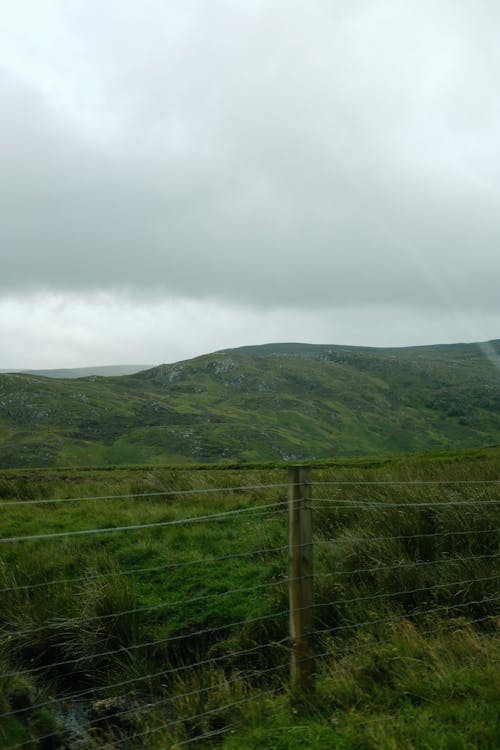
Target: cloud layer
pixel 257 155
pixel 56 330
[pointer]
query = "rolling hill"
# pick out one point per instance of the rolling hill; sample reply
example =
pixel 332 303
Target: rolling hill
pixel 264 403
pixel 83 372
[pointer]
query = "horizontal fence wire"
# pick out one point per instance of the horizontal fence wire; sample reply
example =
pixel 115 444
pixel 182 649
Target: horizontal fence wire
pixel 260 511
pixel 126 649
pixel 260 552
pixel 154 569
pixel 207 735
pixel 165 727
pixel 426 632
pixel 227 682
pixel 406 616
pixel 390 594
pixel 251 512
pixel 252 553
pixel 71 621
pixel 399 537
pixel 201 715
pixel 86 694
pixel 477 500
pixel 375 568
pixel 348 650
pixel 178 696
pixel 408 483
pixel 135 495
pixel 147 644
pixel 383 504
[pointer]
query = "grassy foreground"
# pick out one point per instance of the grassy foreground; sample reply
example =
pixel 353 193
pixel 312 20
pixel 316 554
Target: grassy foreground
pixel 176 635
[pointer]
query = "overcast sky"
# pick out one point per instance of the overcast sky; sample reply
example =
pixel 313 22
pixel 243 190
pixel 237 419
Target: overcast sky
pixel 187 175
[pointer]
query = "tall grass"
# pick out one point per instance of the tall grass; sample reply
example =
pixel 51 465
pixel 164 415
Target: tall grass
pixel 173 632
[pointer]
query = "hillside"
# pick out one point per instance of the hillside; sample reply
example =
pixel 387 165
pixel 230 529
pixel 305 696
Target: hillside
pixel 83 372
pixel 275 402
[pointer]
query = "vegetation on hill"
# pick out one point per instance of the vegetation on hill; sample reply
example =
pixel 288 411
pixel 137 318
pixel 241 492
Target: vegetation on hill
pixel 83 372
pixel 152 637
pixel 276 402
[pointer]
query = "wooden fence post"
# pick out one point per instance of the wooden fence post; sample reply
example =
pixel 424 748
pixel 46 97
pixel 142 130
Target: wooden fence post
pixel 300 574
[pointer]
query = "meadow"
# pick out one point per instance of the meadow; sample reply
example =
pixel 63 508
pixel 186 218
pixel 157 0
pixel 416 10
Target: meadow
pixel 147 607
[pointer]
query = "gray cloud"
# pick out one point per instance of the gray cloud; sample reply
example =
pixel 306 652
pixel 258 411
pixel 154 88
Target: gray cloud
pixel 257 153
pixel 72 330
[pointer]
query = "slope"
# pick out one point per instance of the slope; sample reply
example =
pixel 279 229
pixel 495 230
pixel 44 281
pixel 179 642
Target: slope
pixel 279 402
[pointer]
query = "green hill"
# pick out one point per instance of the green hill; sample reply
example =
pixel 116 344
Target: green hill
pixel 84 372
pixel 274 402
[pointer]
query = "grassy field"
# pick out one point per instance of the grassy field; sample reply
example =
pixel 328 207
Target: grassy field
pixel 153 637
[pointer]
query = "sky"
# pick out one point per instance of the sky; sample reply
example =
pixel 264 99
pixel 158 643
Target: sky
pixel 184 176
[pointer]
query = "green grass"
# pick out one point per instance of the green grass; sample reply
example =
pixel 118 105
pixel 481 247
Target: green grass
pixel 419 674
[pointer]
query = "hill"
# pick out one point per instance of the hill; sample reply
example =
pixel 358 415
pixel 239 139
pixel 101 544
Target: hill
pixel 84 372
pixel 275 402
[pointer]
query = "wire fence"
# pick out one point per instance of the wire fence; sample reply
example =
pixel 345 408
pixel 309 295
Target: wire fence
pixel 149 617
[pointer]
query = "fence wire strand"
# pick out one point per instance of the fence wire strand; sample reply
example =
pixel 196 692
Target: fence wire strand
pixel 135 495
pixel 366 539
pixel 403 592
pixel 215 660
pixel 401 565
pixel 407 615
pixel 251 512
pixel 408 483
pixel 71 622
pixel 137 571
pixel 147 644
pixel 227 683
pixel 383 504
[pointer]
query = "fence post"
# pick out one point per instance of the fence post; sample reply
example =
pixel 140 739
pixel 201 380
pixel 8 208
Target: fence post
pixel 300 574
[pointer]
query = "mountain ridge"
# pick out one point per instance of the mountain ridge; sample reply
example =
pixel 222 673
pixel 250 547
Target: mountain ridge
pixel 280 402
pixel 73 373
